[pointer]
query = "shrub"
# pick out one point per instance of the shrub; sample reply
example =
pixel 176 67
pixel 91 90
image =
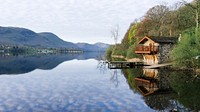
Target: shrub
pixel 131 52
pixel 109 52
pixel 118 50
pixel 185 53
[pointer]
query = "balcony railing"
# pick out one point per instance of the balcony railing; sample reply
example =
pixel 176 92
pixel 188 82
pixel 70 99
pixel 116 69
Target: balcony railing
pixel 146 49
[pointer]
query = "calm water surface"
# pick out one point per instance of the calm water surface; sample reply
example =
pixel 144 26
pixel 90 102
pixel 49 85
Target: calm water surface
pixel 77 83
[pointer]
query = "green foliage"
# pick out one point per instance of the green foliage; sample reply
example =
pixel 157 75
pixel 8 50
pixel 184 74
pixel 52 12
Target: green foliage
pixel 185 18
pixel 131 50
pixel 132 33
pixel 130 53
pixel 162 20
pixel 155 19
pixel 118 50
pixel 185 53
pixel 126 48
pixel 109 52
pixel 166 21
pixel 125 41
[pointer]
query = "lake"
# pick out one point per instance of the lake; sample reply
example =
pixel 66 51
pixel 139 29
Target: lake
pixel 80 83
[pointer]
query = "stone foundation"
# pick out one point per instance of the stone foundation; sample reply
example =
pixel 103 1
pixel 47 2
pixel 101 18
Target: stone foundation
pixel 164 52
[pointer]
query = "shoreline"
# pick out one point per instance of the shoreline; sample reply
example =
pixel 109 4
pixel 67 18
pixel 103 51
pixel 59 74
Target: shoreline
pixel 172 68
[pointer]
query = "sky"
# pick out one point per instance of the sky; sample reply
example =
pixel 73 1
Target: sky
pixel 75 21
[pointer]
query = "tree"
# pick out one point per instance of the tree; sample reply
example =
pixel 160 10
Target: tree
pixel 155 17
pixel 195 6
pixel 187 49
pixel 115 34
pixel 154 22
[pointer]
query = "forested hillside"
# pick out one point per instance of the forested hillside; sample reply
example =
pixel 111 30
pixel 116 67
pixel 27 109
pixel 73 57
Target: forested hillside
pixel 25 37
pixel 181 19
pixel 22 39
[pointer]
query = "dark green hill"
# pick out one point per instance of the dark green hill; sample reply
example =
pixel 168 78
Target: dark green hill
pixel 26 37
pixel 15 36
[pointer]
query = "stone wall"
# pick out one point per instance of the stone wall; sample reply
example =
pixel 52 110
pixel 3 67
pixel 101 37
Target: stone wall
pixel 164 52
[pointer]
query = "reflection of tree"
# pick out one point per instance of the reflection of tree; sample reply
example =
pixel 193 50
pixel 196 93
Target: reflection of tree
pixel 159 101
pixel 102 66
pixel 101 57
pixel 161 98
pixel 130 74
pixel 188 89
pixel 114 78
pixel 177 90
pixel 184 94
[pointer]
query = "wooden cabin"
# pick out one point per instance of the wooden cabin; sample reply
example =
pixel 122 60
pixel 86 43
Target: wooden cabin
pixel 155 50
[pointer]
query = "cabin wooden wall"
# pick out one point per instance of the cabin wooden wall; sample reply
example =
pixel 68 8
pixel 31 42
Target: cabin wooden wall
pixel 150 59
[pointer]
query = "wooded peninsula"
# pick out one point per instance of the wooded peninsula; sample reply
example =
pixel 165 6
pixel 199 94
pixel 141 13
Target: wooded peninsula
pixel 180 21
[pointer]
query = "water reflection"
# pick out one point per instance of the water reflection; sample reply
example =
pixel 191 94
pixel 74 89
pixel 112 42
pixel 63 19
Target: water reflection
pixel 151 82
pixel 156 89
pixel 19 64
pixel 115 77
pixel 73 86
pixel 148 83
pixel 165 90
pixel 186 85
pixel 77 85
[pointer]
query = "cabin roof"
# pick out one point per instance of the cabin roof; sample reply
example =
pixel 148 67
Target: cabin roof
pixel 159 39
pixel 164 39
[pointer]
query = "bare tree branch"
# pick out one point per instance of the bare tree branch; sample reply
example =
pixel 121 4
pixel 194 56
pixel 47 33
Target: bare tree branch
pixel 115 34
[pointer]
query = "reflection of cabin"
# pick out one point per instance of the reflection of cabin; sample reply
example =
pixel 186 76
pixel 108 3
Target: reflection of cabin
pixel 153 81
pixel 155 49
pixel 146 86
pixel 148 83
pixel 151 73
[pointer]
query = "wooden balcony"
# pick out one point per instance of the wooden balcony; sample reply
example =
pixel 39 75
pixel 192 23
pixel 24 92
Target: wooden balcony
pixel 146 49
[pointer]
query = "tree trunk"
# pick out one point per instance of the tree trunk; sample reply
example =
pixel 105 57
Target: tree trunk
pixel 197 21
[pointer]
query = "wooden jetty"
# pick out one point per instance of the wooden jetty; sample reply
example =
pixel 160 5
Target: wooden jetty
pixel 158 65
pixel 124 64
pixel 130 64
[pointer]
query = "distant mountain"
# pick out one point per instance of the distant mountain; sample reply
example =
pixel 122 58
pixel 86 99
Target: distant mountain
pixel 102 45
pixel 25 37
pixel 93 47
pixel 56 41
pixel 22 36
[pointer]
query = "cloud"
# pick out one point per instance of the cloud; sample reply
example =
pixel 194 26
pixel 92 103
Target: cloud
pixel 77 19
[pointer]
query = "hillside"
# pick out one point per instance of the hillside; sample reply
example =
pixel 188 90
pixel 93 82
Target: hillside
pixel 93 47
pixel 25 37
pixel 22 36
